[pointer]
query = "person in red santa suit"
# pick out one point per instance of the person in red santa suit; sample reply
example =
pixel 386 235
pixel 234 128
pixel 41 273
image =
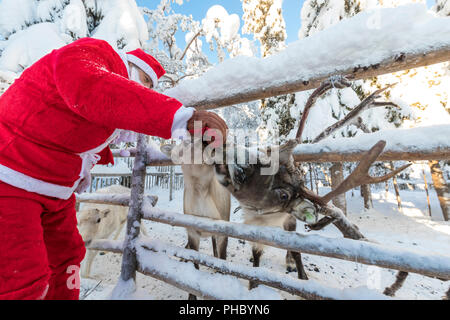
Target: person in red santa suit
pixel 56 122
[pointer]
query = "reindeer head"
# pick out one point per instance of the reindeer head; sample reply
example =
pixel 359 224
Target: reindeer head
pixel 90 224
pixel 284 191
pixel 264 190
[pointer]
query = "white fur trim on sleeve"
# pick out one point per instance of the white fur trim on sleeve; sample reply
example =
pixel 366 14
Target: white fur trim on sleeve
pixel 180 120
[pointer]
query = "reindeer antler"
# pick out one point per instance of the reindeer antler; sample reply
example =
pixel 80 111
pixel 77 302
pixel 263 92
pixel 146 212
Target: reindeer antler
pixel 360 175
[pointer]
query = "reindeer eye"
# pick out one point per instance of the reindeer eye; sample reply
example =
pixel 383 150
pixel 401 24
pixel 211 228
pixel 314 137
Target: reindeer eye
pixel 283 195
pixel 98 220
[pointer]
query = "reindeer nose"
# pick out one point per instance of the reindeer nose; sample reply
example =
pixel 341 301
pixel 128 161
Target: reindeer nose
pixel 239 174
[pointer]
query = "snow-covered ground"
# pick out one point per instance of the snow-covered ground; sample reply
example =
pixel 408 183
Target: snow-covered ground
pixel 412 229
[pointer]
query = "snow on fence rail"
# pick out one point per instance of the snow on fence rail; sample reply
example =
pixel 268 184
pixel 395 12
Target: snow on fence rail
pixel 361 50
pixel 416 144
pixel 309 289
pixel 341 248
pixel 114 199
pixel 432 265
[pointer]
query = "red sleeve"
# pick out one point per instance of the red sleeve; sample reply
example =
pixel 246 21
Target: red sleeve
pixel 84 80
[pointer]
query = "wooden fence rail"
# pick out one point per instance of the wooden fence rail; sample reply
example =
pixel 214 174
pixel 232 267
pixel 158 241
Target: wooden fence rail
pixel 277 87
pixel 436 266
pixel 309 289
pixel 402 145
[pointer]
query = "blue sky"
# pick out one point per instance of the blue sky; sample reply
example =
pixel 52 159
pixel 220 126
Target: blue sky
pixel 198 9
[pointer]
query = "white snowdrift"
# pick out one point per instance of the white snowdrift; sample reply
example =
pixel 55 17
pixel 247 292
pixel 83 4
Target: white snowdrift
pixel 122 21
pixel 364 39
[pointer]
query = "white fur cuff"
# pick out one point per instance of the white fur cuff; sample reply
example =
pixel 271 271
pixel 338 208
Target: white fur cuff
pixel 180 120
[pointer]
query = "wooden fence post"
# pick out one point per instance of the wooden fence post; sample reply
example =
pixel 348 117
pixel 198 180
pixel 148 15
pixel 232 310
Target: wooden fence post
pixel 129 260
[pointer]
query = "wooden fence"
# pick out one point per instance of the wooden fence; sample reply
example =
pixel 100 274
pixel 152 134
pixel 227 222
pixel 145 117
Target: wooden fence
pixel 139 255
pixel 161 179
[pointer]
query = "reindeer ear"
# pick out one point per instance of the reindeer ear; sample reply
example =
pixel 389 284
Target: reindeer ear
pixel 105 212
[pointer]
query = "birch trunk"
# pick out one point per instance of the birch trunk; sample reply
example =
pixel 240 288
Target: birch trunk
pixel 367 195
pixel 337 176
pixel 397 191
pixel 441 188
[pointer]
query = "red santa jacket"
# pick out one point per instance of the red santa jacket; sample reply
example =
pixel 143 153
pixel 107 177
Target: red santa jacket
pixel 65 108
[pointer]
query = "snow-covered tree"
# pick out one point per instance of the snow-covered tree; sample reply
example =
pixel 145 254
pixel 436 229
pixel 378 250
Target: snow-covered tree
pixel 32 28
pixel 264 20
pixel 442 7
pixel 218 29
pixel 318 15
pixel 163 24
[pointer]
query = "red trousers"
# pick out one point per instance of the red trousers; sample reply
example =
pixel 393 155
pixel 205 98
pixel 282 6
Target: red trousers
pixel 40 246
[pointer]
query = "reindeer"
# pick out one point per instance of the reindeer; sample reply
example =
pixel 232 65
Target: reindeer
pixel 279 198
pixel 100 221
pixel 203 196
pixel 284 193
